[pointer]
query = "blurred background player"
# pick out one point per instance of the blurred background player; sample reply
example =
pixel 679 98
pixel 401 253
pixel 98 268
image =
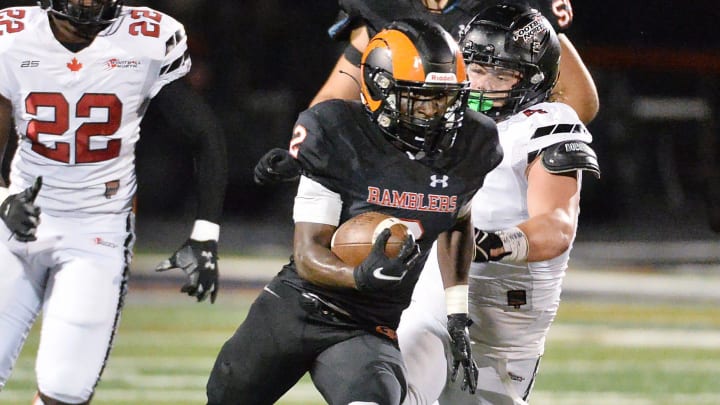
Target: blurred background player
pixel 525 216
pixel 358 20
pixel 77 78
pixel 411 150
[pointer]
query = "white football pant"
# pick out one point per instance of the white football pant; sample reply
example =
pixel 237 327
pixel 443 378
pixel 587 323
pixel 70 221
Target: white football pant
pixel 75 274
pixel 502 348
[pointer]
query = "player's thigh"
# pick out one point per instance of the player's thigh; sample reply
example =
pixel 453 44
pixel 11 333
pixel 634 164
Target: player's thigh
pixel 366 369
pixel 266 355
pixel 421 338
pixel 83 299
pixel 21 290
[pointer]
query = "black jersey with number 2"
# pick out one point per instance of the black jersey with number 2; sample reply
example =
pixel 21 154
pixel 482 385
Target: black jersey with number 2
pixel 339 147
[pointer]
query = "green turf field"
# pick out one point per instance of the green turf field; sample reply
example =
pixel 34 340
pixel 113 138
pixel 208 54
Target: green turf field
pixel 597 353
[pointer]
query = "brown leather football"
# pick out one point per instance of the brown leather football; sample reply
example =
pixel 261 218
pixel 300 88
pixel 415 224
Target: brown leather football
pixel 354 239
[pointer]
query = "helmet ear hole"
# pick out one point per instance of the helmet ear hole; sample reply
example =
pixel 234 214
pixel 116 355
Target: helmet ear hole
pixel 382 83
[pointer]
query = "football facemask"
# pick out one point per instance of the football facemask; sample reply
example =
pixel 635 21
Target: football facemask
pixel 87 12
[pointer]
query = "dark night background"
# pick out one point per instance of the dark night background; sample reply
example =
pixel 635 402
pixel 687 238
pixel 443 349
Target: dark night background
pixel 258 64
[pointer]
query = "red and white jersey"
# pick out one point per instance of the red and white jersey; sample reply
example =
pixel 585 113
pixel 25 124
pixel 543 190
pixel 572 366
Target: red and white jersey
pixel 78 114
pixel 502 203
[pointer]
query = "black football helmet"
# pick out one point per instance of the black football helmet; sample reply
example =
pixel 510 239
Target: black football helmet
pixel 98 12
pixel 518 38
pixel 414 86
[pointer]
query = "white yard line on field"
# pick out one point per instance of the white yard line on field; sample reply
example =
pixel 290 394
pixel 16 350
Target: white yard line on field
pixel 634 337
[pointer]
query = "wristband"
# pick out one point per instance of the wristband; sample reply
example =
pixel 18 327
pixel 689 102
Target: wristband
pixel 515 242
pixel 205 230
pixel 456 299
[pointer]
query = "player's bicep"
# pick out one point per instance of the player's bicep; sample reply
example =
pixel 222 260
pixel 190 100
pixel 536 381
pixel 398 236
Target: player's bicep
pixel 549 193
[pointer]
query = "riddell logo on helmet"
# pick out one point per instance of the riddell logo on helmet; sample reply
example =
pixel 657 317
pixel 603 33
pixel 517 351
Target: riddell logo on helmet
pixel 436 77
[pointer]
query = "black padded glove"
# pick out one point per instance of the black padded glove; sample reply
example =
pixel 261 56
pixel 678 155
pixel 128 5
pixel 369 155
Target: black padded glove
pixel 276 166
pixel 20 214
pixel 379 272
pixel 199 261
pixel 484 242
pixel 461 351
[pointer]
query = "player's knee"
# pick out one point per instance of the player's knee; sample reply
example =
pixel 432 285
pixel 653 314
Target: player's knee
pixel 378 386
pixel 219 381
pixel 63 387
pixel 47 399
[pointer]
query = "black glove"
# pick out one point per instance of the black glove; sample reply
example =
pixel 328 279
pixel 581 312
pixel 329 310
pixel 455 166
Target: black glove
pixel 276 166
pixel 484 242
pixel 461 351
pixel 19 213
pixel 379 272
pixel 199 261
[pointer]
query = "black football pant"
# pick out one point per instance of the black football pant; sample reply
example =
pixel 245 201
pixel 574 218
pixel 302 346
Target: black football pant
pixel 280 340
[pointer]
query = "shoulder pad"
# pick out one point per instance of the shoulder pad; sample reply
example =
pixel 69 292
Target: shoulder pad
pixel 568 156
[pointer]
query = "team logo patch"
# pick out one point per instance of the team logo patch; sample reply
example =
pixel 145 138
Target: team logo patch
pixel 515 377
pixel 528 32
pixel 111 188
pixel 102 242
pixel 436 181
pixel 516 298
pixel 74 65
pixel 384 330
pixel 116 63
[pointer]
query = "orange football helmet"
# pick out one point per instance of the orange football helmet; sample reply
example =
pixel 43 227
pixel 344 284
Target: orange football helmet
pixel 414 86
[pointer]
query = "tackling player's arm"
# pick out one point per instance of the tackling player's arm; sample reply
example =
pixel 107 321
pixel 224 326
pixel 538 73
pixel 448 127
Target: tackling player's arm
pixel 553 203
pixel 553 200
pixel 193 123
pixel 343 81
pixel 575 85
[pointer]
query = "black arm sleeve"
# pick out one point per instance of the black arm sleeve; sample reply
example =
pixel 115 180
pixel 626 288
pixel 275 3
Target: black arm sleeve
pixel 192 121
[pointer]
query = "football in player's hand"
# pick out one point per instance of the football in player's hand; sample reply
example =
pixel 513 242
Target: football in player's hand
pixel 354 239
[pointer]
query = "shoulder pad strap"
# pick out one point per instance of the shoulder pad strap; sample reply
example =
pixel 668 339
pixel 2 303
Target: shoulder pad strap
pixel 569 156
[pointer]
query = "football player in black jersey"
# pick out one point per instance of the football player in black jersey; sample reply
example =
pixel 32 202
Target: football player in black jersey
pixel 358 20
pixel 411 150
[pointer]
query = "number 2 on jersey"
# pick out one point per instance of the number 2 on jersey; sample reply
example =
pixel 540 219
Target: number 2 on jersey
pixel 83 152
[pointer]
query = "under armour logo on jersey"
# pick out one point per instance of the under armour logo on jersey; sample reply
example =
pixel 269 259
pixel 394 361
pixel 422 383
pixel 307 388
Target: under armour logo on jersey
pixel 209 257
pixel 435 181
